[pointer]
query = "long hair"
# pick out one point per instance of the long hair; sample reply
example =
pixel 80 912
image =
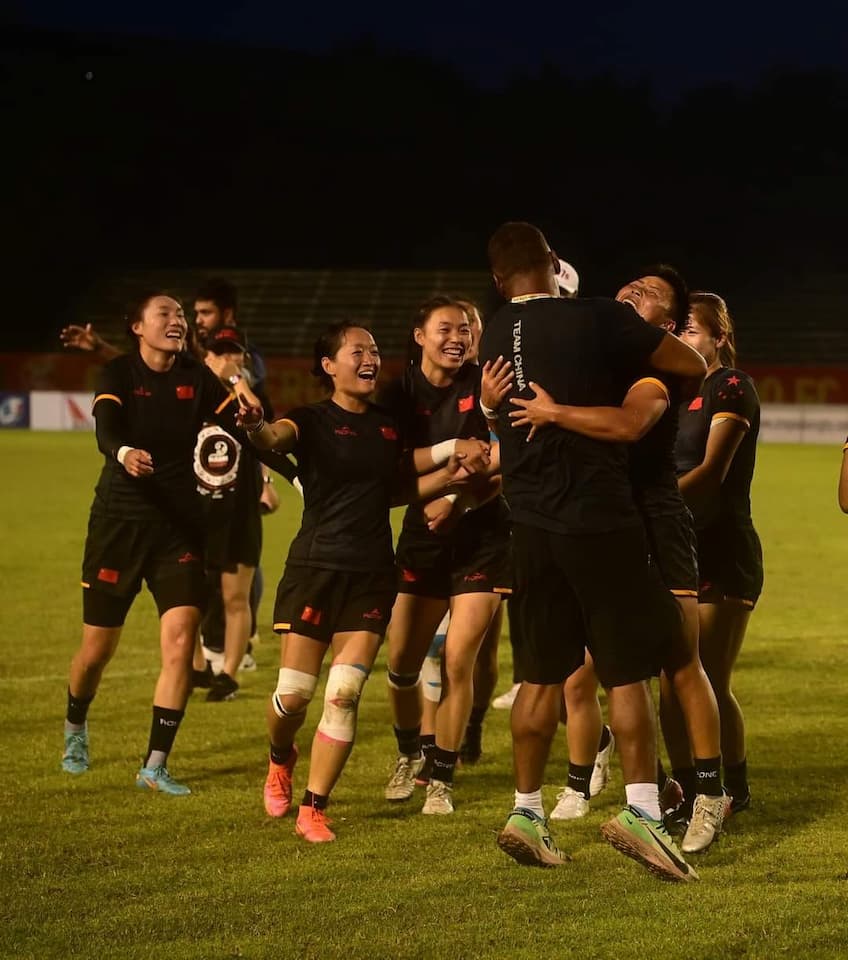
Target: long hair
pixel 711 311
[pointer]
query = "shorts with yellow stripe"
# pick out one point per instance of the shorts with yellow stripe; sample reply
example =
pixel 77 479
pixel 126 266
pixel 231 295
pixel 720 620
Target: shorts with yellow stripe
pixel 674 551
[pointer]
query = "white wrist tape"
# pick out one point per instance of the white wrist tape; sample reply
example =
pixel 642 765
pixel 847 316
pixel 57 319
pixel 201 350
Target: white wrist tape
pixel 453 497
pixel 121 455
pixel 442 452
pixel 488 412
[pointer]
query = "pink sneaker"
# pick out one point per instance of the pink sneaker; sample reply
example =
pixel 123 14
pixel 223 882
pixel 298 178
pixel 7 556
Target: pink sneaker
pixel 278 786
pixel 314 825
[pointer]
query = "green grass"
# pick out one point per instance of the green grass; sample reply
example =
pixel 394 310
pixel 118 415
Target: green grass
pixel 92 868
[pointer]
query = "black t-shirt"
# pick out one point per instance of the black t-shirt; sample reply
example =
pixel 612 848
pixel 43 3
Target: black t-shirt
pixel 583 352
pixel 653 472
pixel 348 464
pixel 161 413
pixel 427 415
pixel 725 394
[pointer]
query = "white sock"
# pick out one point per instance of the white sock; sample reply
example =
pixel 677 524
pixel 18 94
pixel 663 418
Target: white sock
pixel 531 801
pixel 645 796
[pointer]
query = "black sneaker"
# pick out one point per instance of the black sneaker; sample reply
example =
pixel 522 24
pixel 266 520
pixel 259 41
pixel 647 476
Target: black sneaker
pixel 202 679
pixel 472 746
pixel 738 804
pixel 223 687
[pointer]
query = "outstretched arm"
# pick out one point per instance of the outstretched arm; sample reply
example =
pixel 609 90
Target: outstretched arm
pixel 85 338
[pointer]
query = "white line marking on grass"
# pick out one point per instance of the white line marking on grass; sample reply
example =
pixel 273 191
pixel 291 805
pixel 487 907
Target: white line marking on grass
pixel 63 677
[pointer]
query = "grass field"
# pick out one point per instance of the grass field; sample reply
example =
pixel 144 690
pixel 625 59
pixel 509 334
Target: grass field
pixel 93 868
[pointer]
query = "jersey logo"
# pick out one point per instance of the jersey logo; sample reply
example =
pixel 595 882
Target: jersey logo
pixel 107 575
pixel 141 392
pixel 389 433
pixel 733 381
pixel 408 576
pixel 696 404
pixel 216 461
pixel 310 615
pixel 475 577
pixel 374 614
pixel 345 431
pixel 465 404
pixel 188 558
pixel 185 391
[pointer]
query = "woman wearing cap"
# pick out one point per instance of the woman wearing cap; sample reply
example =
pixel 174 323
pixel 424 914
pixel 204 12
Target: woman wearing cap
pixel 339 585
pixel 449 556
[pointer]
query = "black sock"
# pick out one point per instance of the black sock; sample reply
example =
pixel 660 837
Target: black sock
pixel 77 709
pixel 708 776
pixel 314 800
pixel 280 755
pixel 685 776
pixel 428 744
pixel 163 729
pixel 606 736
pixel 444 763
pixel 736 780
pixel 579 777
pixel 409 741
pixel 662 776
pixel 477 715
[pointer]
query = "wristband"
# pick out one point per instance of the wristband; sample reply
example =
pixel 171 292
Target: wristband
pixel 452 497
pixel 297 485
pixel 256 428
pixel 442 452
pixel 488 413
pixel 121 455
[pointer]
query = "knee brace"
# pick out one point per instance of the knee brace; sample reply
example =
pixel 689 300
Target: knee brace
pixel 402 681
pixel 341 699
pixel 431 679
pixel 296 683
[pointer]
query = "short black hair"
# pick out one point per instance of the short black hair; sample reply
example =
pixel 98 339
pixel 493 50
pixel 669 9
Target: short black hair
pixel 328 344
pixel 221 292
pixel 518 247
pixel 422 315
pixel 673 277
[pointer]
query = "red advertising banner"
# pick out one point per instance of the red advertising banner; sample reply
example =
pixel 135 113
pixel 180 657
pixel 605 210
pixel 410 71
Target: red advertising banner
pixel 290 383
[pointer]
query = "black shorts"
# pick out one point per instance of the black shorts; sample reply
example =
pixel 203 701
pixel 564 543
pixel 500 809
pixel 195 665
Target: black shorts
pixel 597 591
pixel 237 541
pixel 445 567
pixel 318 603
pixel 674 551
pixel 119 554
pixel 730 559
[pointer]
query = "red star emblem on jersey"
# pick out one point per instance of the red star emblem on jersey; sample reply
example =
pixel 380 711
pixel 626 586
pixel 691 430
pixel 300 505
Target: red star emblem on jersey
pixel 696 404
pixel 465 404
pixel 733 381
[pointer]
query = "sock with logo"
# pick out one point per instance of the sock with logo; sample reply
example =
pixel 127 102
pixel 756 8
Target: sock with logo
pixel 444 764
pixel 315 800
pixel 579 777
pixel 708 776
pixel 428 744
pixel 76 713
pixel 163 730
pixel 279 755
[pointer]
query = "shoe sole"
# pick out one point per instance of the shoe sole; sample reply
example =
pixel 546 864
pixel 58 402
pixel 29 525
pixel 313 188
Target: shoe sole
pixel 151 787
pixel 302 834
pixel 437 813
pixel 514 844
pixel 700 849
pixel 76 771
pixel 272 814
pixel 648 856
pixel 570 816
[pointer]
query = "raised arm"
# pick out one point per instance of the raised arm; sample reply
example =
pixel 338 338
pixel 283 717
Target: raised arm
pixel 85 338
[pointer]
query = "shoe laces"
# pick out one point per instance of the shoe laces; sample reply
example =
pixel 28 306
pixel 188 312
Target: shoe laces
pixel 707 813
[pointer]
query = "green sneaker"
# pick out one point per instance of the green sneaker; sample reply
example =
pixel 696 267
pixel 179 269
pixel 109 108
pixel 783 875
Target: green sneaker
pixel 75 757
pixel 649 843
pixel 527 840
pixel 158 779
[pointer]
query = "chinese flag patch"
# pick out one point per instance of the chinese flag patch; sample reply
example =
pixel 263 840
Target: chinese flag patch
pixel 185 391
pixel 464 404
pixel 107 575
pixel 310 615
pixel 696 404
pixel 389 433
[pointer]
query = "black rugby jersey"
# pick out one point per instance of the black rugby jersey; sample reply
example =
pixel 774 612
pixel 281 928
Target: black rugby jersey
pixel 585 352
pixel 725 394
pixel 161 413
pixel 653 472
pixel 427 415
pixel 348 464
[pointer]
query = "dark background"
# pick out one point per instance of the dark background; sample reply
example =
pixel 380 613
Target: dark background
pixel 253 136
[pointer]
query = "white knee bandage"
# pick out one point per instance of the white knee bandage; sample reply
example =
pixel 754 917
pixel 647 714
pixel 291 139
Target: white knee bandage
pixel 341 698
pixel 431 679
pixel 293 683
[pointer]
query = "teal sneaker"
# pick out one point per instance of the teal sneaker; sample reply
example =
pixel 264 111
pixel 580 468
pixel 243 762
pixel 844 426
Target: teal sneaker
pixel 158 779
pixel 649 843
pixel 75 757
pixel 527 840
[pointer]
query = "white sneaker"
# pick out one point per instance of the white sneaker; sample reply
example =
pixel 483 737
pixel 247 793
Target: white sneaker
pixel 439 798
pixel 506 700
pixel 401 784
pixel 705 826
pixel 215 658
pixel 248 664
pixel 571 805
pixel 600 775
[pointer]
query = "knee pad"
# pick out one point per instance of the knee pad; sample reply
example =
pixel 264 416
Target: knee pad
pixel 402 681
pixel 341 699
pixel 293 682
pixel 431 679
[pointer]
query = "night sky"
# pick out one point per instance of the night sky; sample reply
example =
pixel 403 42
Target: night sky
pixel 674 45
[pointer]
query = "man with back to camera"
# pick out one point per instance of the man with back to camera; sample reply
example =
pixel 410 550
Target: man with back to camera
pixel 580 555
